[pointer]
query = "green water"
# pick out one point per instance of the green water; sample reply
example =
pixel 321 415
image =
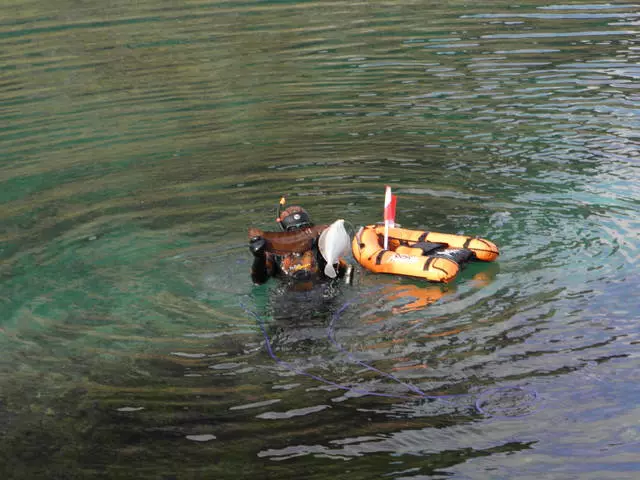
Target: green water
pixel 140 140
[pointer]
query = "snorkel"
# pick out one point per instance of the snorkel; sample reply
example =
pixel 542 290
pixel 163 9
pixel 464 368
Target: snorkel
pixel 281 204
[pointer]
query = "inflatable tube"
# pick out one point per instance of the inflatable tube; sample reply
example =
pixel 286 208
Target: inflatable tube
pixel 282 243
pixel 429 255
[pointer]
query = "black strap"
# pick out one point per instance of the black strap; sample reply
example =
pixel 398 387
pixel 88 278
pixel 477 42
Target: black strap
pixel 423 237
pixel 429 247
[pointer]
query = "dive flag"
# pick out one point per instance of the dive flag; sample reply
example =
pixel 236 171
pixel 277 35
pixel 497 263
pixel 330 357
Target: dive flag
pixel 389 214
pixel 389 207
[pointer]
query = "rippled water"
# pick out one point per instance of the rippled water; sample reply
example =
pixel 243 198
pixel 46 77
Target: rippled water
pixel 141 139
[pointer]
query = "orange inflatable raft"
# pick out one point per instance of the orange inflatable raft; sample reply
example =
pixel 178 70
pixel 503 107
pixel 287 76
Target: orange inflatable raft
pixel 433 256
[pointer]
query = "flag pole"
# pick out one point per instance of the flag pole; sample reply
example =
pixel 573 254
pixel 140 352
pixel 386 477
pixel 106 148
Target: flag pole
pixel 389 214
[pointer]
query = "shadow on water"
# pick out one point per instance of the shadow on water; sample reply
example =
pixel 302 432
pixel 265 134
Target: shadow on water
pixel 298 319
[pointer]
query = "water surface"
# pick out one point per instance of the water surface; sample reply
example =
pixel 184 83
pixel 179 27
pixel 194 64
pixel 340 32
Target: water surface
pixel 141 140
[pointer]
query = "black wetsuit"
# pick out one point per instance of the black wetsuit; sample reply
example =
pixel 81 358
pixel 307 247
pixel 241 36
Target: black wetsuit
pixel 296 267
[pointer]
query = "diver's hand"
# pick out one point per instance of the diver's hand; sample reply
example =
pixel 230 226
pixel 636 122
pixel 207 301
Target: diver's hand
pixel 257 246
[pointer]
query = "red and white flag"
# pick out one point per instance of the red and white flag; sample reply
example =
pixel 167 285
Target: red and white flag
pixel 389 214
pixel 389 207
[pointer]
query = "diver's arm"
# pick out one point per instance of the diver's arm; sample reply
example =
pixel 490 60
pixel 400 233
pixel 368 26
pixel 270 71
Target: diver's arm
pixel 343 266
pixel 262 267
pixel 261 270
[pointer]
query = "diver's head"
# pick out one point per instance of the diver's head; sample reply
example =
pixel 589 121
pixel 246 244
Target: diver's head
pixel 294 218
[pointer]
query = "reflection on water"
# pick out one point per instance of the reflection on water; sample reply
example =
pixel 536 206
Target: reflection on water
pixel 141 140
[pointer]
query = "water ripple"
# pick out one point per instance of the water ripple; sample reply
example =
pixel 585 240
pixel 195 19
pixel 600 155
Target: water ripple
pixel 140 142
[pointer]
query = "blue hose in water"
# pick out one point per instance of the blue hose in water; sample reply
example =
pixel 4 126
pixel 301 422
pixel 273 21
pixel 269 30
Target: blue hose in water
pixel 419 394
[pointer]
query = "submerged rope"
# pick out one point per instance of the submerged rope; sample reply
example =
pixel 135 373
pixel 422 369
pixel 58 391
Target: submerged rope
pixel 318 378
pixel 332 338
pixel 418 393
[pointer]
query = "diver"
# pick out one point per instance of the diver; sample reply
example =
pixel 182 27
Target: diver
pixel 300 268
